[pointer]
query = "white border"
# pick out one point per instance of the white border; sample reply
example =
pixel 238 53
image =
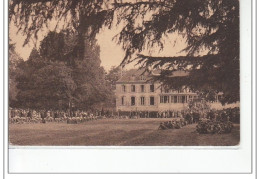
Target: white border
pixel 141 159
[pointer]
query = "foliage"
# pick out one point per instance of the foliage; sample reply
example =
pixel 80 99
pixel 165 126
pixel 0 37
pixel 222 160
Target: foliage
pixel 220 121
pixel 211 26
pixel 207 25
pixel 229 114
pixel 212 127
pixel 198 106
pixel 14 60
pixel 53 47
pixel 55 80
pixel 113 76
pixel 44 86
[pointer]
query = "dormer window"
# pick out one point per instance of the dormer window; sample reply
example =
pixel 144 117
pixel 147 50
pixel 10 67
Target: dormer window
pixel 132 78
pixel 142 77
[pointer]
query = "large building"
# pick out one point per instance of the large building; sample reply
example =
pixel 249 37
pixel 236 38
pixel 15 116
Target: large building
pixel 136 92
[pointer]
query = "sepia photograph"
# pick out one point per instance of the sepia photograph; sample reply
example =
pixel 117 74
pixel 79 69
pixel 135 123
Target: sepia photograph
pixel 124 73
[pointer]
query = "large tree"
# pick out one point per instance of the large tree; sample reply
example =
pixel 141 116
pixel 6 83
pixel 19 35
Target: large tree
pixel 14 61
pixel 56 76
pixel 44 84
pixel 206 25
pixel 50 87
pixel 113 75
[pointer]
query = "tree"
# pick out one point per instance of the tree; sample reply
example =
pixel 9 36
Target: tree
pixel 53 46
pixel 49 79
pixel 205 24
pixel 113 76
pixel 88 75
pixel 49 87
pixel 209 25
pixel 44 84
pixel 14 61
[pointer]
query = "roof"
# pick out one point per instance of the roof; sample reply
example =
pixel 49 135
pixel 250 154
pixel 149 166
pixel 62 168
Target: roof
pixel 139 75
pixel 134 75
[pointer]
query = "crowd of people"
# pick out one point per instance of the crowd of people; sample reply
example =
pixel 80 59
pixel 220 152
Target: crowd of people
pixel 213 121
pixel 77 116
pixel 153 114
pixel 43 116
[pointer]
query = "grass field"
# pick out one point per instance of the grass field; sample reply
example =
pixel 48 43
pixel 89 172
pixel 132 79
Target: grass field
pixel 116 132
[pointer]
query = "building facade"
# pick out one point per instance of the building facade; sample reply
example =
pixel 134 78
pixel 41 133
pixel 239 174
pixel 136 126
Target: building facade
pixel 136 92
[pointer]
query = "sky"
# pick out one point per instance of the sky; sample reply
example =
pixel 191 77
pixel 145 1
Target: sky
pixel 111 54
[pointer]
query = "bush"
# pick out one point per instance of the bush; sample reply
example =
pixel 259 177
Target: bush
pixel 196 117
pixel 212 127
pixel 188 118
pixel 177 125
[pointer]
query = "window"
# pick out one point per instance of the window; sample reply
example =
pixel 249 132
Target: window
pixel 142 88
pixel 142 101
pixel 151 100
pixel 183 99
pixel 166 99
pixel 123 88
pixel 161 99
pixel 151 88
pixel 132 101
pixel 142 77
pixel 123 100
pixel 132 88
pixel 175 99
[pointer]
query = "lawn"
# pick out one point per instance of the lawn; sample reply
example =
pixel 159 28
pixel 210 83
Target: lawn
pixel 116 132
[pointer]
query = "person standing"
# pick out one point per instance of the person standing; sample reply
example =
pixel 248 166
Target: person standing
pixel 43 116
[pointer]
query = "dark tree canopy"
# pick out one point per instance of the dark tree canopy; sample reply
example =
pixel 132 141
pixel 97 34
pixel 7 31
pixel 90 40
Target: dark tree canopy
pixel 205 24
pixel 14 61
pixel 113 75
pixel 47 87
pixel 58 80
pixel 211 25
